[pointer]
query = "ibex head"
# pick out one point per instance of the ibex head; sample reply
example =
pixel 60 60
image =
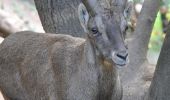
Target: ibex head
pixel 105 21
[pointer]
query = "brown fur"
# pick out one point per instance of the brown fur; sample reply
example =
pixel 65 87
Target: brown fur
pixel 36 66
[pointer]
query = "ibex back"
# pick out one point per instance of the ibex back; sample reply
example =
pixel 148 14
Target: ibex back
pixel 36 66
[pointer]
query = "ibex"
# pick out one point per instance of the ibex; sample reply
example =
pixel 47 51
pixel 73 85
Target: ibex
pixel 36 66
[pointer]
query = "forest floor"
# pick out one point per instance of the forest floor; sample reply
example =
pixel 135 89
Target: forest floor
pixel 25 12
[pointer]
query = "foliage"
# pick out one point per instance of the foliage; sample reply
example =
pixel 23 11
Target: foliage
pixel 168 14
pixel 157 34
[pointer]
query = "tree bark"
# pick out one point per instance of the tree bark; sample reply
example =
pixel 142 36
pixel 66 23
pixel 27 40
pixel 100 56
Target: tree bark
pixel 60 16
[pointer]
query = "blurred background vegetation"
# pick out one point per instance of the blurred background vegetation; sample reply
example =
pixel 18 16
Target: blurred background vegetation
pixel 22 15
pixel 159 31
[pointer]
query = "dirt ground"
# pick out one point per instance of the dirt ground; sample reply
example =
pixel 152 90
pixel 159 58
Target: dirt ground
pixel 23 14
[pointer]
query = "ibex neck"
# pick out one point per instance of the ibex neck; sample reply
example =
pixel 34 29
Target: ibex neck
pixel 94 57
pixel 105 71
pixel 90 52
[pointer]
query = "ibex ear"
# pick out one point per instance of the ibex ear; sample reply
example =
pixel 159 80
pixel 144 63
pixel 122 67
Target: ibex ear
pixel 129 14
pixel 83 16
pixel 129 9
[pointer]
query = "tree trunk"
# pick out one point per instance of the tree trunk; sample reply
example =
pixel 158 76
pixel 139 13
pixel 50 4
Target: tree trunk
pixel 60 16
pixel 160 86
pixel 133 77
pixel 138 46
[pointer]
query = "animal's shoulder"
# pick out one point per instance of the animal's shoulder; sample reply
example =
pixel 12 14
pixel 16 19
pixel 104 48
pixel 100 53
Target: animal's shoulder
pixel 32 43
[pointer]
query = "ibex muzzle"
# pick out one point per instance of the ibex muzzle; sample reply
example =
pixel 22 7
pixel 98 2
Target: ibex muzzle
pixel 105 21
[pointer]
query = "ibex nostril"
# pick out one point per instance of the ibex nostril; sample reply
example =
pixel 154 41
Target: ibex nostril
pixel 124 57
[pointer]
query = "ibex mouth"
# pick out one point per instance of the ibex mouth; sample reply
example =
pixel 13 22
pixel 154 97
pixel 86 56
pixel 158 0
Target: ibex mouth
pixel 121 60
